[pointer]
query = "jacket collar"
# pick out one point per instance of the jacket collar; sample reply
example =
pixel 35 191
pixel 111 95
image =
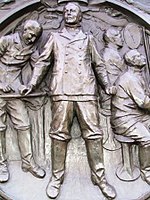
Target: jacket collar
pixel 16 38
pixel 79 36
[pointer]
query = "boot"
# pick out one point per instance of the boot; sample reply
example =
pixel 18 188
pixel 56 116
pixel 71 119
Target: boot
pixel 28 163
pixel 144 154
pixel 4 172
pixel 95 158
pixel 58 158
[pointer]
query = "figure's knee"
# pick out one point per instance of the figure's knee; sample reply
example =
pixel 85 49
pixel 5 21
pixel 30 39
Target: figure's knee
pixel 145 143
pixel 59 131
pixel 62 136
pixel 21 122
pixel 92 134
pixel 3 126
pixel 23 128
pixel 139 133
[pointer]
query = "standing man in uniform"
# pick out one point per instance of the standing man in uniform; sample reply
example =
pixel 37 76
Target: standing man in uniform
pixel 16 50
pixel 74 92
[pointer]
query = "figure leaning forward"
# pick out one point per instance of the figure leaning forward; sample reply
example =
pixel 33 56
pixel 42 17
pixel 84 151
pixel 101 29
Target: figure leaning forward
pixel 74 92
pixel 16 50
pixel 131 109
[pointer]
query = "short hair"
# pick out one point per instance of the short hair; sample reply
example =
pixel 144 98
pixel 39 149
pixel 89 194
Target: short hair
pixel 110 33
pixel 129 56
pixel 77 5
pixel 35 25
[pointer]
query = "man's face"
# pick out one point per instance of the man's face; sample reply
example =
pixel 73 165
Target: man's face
pixel 72 14
pixel 138 60
pixel 118 39
pixel 30 34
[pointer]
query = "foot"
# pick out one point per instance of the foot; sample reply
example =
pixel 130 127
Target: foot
pixel 147 179
pixel 4 173
pixel 145 174
pixel 108 190
pixel 35 170
pixel 53 188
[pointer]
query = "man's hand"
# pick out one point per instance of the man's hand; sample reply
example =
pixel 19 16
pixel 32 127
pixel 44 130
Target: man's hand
pixel 5 87
pixel 111 90
pixel 25 90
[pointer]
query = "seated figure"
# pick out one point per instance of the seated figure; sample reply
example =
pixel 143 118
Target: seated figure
pixel 131 109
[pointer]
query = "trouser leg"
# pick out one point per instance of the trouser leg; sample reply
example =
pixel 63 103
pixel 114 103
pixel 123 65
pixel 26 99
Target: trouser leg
pixel 2 130
pixel 20 119
pixel 140 132
pixel 28 163
pixel 62 115
pixel 88 117
pixel 144 154
pixel 58 158
pixel 2 146
pixel 87 113
pixel 4 173
pixel 95 158
pixel 24 141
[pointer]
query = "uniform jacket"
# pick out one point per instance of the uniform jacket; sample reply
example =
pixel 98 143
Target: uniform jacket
pixel 76 62
pixel 13 57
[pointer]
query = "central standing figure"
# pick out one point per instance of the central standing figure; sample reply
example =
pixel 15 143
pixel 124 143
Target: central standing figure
pixel 76 71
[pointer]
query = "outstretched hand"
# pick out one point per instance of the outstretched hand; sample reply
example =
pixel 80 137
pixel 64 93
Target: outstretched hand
pixel 25 90
pixel 5 88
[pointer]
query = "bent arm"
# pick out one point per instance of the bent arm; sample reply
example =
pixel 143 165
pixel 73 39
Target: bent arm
pixel 137 92
pixel 99 65
pixel 44 61
pixel 4 40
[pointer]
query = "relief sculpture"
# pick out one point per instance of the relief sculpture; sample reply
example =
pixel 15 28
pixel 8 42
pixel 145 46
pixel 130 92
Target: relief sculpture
pixel 74 51
pixel 129 119
pixel 74 100
pixel 114 66
pixel 15 51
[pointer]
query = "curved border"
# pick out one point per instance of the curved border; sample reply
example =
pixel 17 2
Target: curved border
pixel 130 8
pixel 17 9
pixel 141 14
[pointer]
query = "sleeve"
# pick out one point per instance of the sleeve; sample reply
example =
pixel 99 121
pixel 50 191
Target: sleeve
pixel 42 64
pixel 3 45
pixel 137 92
pixel 34 58
pixel 99 65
